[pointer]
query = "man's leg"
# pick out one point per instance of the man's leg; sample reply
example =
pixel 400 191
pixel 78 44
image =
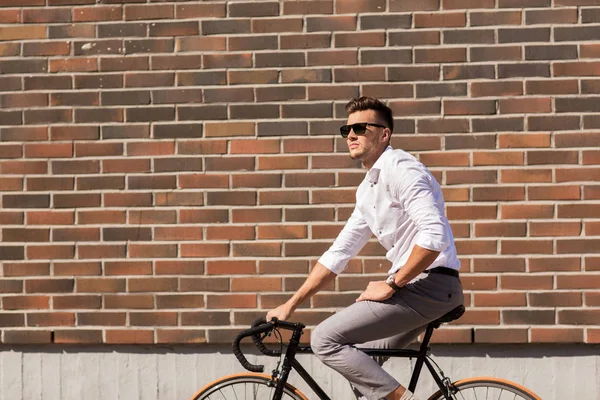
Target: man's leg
pixel 418 303
pixel 334 339
pixel 399 341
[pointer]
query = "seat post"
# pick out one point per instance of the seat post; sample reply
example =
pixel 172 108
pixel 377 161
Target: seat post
pixel 421 359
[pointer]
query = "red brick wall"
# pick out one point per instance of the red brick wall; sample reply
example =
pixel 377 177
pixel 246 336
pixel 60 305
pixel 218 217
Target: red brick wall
pixel 170 170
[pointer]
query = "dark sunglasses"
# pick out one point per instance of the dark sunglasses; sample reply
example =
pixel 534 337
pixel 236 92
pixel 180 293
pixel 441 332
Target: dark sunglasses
pixel 359 128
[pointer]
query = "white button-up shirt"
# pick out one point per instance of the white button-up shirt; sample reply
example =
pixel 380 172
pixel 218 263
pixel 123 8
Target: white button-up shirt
pixel 402 204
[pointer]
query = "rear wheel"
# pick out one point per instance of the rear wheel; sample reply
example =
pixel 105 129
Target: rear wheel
pixel 487 389
pixel 245 386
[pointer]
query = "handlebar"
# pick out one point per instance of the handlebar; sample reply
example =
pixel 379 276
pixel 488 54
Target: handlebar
pixel 259 326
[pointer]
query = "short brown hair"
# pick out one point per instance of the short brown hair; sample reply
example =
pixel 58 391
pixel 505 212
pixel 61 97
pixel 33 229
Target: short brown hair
pixel 369 103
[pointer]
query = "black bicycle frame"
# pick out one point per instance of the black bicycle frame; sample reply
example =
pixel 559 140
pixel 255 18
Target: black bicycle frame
pixel 290 362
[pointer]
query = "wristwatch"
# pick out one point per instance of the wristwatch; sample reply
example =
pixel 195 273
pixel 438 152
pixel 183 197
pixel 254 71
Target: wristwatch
pixel 392 283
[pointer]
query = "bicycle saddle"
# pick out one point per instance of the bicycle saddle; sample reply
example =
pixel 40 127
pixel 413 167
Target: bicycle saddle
pixel 449 316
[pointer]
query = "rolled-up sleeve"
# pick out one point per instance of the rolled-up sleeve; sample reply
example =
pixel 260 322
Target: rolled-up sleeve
pixel 421 206
pixel 349 242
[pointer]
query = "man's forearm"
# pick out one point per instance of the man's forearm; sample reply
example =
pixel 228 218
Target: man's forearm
pixel 316 280
pixel 418 261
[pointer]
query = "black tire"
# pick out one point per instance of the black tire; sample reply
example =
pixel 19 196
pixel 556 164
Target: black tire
pixel 245 386
pixel 488 389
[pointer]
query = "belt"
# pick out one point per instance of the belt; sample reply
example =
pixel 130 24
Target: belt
pixel 443 271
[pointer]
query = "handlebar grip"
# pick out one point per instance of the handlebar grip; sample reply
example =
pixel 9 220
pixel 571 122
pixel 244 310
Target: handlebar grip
pixel 259 344
pixel 238 352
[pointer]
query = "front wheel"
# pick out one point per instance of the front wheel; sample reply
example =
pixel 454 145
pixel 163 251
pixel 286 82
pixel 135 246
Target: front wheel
pixel 484 388
pixel 245 386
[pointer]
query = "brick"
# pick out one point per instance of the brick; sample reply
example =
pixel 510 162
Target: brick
pixel 26 201
pixel 269 25
pixel 25 235
pixel 151 79
pixel 469 107
pixel 26 302
pixel 579 33
pixel 128 301
pixel 101 251
pixel 525 140
pixel 13 320
pixel 531 247
pixel 256 42
pixel 307 7
pixel 556 335
pixel 298 75
pixel 136 46
pixel 204 250
pixel 496 53
pixel 526 175
pixel 554 264
pixel 15 286
pixel 179 301
pixel 503 299
pixel 129 336
pixel 100 318
pixel 552 157
pixel 527 105
pixel 468 4
pixel 217 27
pixel 249 111
pixel 51 319
pixel 553 193
pixel 526 211
pixel 76 302
pixel 148 12
pixel 71 31
pixel 187 28
pixel 501 335
pixel 257 249
pixel 26 337
pixel 152 284
pixel 97 13
pixel 231 301
pixel 26 32
pixel 149 250
pixel 123 64
pixel 504 88
pixel 490 18
pixel 181 336
pixel 332 57
pixel 75 268
pixel 504 264
pixel 468 72
pixel 575 68
pixel 25 269
pixel 555 299
pixel 578 317
pixel 254 284
pixel 331 23
pixel 253 9
pixel 551 16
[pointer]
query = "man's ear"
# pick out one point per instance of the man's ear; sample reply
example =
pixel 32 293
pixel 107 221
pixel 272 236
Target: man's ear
pixel 386 135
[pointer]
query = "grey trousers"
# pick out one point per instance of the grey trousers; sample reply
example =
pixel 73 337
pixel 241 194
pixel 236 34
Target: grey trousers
pixel 393 323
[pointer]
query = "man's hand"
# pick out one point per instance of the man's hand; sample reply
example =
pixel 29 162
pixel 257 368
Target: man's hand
pixel 282 312
pixel 376 291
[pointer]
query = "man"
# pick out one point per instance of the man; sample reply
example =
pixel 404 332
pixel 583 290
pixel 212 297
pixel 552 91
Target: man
pixel 401 203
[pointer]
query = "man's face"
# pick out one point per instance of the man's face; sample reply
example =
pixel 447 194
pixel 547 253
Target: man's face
pixel 369 146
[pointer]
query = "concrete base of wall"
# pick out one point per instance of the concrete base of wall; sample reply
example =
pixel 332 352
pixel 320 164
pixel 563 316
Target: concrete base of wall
pixel 172 373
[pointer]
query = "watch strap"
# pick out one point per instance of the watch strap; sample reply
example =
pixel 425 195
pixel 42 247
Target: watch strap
pixel 392 283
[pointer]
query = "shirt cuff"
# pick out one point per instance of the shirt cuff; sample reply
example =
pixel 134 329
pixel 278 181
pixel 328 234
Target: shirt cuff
pixel 427 242
pixel 333 263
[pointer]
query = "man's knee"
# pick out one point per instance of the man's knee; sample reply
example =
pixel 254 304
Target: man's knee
pixel 320 342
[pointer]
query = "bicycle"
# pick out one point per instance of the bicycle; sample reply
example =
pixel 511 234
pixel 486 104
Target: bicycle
pixel 275 387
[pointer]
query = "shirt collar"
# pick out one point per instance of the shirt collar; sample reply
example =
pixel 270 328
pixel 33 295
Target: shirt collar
pixel 373 173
